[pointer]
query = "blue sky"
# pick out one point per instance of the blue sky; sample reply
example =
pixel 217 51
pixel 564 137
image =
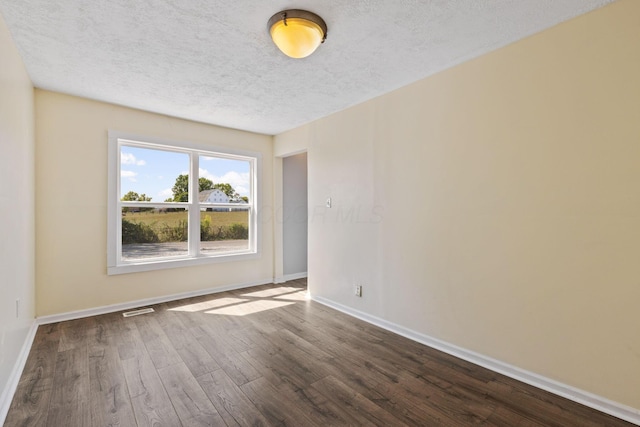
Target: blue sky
pixel 154 172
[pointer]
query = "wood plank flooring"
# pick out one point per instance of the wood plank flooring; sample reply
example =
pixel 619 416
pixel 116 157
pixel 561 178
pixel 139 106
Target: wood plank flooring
pixel 264 356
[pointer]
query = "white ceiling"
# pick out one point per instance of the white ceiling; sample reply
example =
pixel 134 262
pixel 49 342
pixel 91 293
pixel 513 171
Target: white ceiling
pixel 213 61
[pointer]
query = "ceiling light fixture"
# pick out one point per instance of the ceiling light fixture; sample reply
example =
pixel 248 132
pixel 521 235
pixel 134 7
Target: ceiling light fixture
pixel 297 33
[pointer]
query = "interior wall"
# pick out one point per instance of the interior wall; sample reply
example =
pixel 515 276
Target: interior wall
pixel 71 221
pixel 495 205
pixel 294 197
pixel 17 224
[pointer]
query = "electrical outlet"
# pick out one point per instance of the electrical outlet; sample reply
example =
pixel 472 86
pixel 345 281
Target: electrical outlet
pixel 358 290
pixel 18 308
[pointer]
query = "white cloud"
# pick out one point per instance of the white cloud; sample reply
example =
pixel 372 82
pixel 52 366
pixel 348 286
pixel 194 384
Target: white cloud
pixel 130 159
pixel 239 181
pixel 165 194
pixel 130 175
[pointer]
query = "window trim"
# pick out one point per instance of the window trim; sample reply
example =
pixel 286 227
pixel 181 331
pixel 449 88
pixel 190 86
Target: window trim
pixel 114 204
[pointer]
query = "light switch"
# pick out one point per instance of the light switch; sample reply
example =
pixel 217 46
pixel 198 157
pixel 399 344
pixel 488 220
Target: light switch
pixel 328 202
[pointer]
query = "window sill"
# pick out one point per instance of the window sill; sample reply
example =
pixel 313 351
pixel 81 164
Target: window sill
pixel 161 264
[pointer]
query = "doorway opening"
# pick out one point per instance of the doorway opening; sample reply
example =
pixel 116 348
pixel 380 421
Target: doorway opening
pixel 295 216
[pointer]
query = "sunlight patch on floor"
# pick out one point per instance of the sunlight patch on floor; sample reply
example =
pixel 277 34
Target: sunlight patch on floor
pixel 266 293
pixel 249 307
pixel 249 303
pixel 207 305
pixel 296 296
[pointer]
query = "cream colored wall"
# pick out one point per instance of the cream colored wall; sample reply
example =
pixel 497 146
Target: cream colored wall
pixel 496 205
pixel 17 223
pixel 71 219
pixel 291 142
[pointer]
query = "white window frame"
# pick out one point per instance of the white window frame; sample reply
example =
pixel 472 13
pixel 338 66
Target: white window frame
pixel 115 264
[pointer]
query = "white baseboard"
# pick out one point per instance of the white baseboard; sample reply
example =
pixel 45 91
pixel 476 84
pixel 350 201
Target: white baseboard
pixel 14 377
pixel 287 277
pixel 143 302
pixel 586 398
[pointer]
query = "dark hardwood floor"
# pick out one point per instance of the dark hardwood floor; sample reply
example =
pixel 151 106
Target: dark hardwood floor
pixel 260 357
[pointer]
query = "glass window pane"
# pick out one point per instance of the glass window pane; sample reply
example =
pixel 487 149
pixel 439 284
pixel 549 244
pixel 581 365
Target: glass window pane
pixel 153 175
pixel 149 233
pixel 224 230
pixel 224 180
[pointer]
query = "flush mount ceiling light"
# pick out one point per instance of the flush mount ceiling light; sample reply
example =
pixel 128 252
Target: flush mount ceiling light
pixel 297 33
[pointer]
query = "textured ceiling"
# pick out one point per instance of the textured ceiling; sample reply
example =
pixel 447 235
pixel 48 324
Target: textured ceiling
pixel 213 61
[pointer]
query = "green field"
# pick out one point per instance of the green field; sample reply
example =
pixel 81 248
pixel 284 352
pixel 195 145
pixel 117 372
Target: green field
pixel 162 227
pixel 172 219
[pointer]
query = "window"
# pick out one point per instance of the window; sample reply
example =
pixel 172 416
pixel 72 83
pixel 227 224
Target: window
pixel 175 204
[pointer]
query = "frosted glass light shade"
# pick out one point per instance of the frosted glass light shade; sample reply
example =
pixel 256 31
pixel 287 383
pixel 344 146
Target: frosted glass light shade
pixel 297 33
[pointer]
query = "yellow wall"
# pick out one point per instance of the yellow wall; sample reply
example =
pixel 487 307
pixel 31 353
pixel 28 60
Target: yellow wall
pixel 496 205
pixel 71 194
pixel 17 224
